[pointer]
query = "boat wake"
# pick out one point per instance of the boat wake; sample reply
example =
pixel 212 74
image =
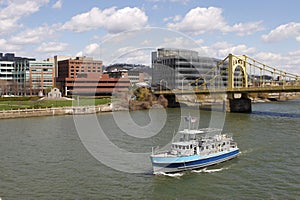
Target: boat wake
pixel 174 175
pixel 246 151
pixel 208 170
pixel 179 174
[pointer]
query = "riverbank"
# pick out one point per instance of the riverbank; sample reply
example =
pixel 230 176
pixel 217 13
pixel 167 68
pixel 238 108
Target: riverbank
pixel 119 106
pixel 39 112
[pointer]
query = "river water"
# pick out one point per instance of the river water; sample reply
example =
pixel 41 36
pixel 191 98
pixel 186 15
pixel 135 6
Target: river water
pixel 44 158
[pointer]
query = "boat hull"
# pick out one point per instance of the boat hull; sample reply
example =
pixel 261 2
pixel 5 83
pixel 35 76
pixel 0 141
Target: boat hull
pixel 177 164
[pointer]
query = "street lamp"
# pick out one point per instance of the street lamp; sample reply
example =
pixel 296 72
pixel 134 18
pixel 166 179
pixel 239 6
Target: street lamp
pixel 160 83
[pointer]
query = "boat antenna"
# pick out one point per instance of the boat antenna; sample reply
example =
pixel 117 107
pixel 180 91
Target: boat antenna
pixel 189 121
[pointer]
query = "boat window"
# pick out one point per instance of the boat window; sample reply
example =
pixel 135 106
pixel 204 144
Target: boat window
pixel 191 146
pixel 176 146
pixel 183 147
pixel 202 148
pixel 206 147
pixel 213 146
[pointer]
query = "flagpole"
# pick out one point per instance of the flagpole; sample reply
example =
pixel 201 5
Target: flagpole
pixel 189 121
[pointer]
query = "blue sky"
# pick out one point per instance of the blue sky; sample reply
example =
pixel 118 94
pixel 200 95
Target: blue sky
pixel 268 31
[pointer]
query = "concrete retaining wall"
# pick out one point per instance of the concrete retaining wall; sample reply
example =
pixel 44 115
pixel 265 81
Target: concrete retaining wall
pixel 6 114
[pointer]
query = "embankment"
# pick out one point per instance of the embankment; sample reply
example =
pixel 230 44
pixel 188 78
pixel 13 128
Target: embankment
pixel 23 113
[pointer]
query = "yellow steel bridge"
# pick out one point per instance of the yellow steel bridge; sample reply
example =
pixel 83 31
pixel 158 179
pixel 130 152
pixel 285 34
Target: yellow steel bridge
pixel 254 77
pixel 242 75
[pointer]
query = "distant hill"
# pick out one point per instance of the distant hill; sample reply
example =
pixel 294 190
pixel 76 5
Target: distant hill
pixel 129 67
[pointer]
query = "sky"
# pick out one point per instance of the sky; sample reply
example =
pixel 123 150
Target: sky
pixel 127 31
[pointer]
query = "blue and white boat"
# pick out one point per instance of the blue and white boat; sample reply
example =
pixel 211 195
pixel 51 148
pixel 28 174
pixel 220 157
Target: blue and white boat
pixel 196 148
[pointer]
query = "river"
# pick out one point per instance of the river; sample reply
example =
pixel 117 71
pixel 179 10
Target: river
pixel 46 158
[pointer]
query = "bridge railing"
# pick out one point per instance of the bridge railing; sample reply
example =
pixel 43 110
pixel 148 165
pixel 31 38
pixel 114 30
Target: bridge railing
pixel 262 75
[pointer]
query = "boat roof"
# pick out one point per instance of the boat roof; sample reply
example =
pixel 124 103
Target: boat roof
pixel 183 143
pixel 192 132
pixel 199 131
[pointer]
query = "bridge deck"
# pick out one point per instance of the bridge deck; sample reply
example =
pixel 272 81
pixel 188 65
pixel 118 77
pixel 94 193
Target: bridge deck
pixel 266 89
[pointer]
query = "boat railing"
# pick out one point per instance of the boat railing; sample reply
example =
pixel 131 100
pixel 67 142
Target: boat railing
pixel 159 151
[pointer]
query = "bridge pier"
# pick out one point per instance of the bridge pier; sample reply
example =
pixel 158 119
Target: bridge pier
pixel 238 105
pixel 172 101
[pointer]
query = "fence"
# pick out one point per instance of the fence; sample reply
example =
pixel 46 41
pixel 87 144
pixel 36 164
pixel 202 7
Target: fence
pixel 5 114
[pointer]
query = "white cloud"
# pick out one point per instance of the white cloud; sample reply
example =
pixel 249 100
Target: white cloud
pixel 270 58
pixel 199 41
pixel 170 1
pixel 222 49
pixel 7 46
pixel 288 62
pixel 126 19
pixel 179 42
pixel 111 19
pixel 155 7
pixel 283 31
pixel 15 10
pixel 52 47
pixel 92 50
pixel 180 1
pixel 136 56
pixel 33 36
pixel 176 18
pixel 127 54
pixel 58 4
pixel 247 28
pixel 201 20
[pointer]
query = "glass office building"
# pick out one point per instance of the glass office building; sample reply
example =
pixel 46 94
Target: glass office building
pixel 181 68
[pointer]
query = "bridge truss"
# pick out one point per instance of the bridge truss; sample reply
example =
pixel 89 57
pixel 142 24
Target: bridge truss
pixel 245 74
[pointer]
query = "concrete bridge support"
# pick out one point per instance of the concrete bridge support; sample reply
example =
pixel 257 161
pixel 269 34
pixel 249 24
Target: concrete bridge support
pixel 238 105
pixel 172 101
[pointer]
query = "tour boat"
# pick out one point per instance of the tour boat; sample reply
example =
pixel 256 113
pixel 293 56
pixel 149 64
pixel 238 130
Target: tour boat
pixel 196 148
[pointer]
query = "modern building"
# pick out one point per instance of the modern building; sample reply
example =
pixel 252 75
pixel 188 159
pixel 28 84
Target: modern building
pixel 6 78
pixel 6 70
pixel 16 77
pixel 181 68
pixel 41 76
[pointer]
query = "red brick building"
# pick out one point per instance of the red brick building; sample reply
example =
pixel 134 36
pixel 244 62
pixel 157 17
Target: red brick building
pixel 73 68
pixel 83 76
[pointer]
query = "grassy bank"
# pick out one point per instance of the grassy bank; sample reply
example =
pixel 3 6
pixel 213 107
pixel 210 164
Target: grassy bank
pixel 15 103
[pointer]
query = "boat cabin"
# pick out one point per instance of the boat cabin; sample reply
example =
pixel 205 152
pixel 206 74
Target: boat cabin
pixel 194 142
